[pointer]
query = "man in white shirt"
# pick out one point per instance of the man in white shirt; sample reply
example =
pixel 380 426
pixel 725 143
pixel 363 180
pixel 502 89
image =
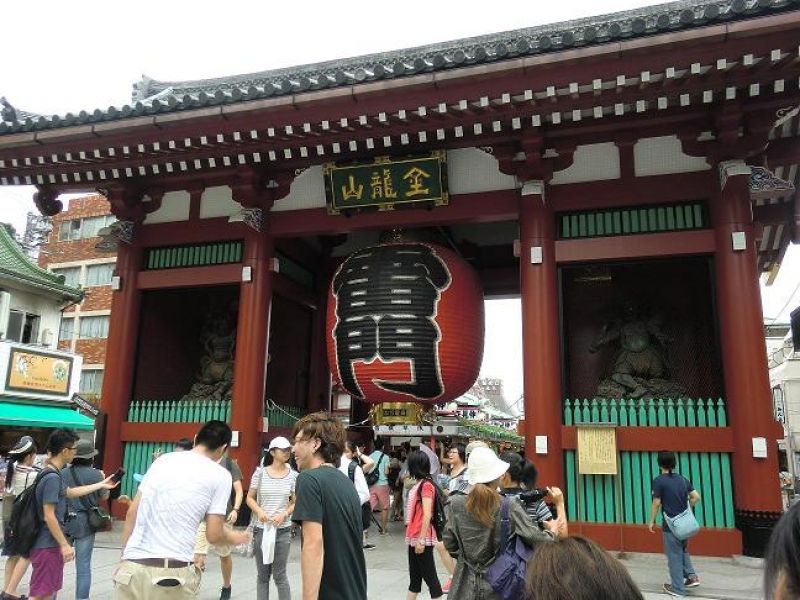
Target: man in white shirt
pixel 349 466
pixel 180 490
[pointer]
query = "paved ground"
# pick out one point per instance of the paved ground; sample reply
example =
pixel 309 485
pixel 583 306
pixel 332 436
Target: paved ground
pixel 388 575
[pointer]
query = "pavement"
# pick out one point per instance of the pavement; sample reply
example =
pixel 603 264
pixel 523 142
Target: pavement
pixel 387 573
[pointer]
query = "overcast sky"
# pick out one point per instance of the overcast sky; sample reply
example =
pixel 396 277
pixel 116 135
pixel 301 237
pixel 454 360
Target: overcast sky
pixel 57 57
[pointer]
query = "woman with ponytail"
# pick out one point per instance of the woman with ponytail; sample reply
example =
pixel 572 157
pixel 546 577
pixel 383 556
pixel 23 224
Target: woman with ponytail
pixel 20 474
pixel 472 533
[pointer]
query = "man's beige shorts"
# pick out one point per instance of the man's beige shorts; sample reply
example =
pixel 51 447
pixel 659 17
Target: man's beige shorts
pixel 133 581
pixel 201 544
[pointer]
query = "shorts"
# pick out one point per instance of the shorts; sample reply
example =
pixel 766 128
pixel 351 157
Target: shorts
pixel 47 573
pixel 379 496
pixel 133 581
pixel 201 544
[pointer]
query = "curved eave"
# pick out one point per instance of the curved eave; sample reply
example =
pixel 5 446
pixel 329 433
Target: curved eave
pixel 60 292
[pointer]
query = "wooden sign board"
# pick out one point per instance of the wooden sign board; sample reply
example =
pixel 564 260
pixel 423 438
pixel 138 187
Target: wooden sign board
pixel 597 450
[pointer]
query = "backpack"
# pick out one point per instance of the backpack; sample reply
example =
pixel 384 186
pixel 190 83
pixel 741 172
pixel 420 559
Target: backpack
pixel 438 518
pixel 366 508
pixel 373 476
pixel 25 524
pixel 506 574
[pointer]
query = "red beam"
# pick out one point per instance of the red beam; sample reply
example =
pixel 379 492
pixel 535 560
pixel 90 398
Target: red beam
pixel 463 208
pixel 680 243
pixel 184 232
pixel 158 432
pixel 678 439
pixel 657 189
pixel 189 277
pixel 637 538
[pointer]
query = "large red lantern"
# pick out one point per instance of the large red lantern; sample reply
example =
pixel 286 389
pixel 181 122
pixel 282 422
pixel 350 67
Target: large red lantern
pixel 405 324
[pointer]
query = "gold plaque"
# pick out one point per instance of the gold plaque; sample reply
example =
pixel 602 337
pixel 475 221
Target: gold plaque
pixel 34 371
pixel 397 413
pixel 597 450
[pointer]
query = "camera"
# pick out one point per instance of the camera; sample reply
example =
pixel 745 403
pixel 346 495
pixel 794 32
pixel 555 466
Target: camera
pixel 533 496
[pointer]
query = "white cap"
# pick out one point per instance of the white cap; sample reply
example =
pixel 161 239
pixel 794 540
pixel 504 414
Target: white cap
pixel 483 466
pixel 280 442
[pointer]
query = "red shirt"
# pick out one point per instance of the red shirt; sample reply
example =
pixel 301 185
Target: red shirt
pixel 415 512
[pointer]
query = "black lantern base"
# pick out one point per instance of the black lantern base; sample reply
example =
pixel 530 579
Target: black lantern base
pixel 756 527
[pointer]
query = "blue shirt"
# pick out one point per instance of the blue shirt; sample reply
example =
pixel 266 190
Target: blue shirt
pixel 51 489
pixel 673 490
pixel 380 466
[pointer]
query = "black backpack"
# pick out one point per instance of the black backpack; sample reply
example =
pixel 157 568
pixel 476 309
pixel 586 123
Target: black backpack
pixel 373 476
pixel 438 518
pixel 24 525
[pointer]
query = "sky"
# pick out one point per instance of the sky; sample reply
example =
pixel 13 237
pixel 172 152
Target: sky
pixel 58 57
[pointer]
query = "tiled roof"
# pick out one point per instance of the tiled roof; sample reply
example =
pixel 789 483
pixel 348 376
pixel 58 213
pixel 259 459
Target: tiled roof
pixel 151 96
pixel 16 266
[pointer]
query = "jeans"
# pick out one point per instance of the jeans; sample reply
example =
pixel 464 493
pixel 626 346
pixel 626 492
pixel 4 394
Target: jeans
pixel 83 566
pixel 277 570
pixel 678 561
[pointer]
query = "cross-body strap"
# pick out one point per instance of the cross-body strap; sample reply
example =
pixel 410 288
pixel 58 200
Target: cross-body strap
pixel 87 506
pixel 351 471
pixel 504 506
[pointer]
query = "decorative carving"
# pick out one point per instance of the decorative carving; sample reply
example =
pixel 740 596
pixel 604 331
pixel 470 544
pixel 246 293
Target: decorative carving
pixel 111 236
pixel 784 114
pixel 252 217
pixel 731 168
pixel 640 366
pixel 528 159
pixel 126 201
pixel 46 200
pixel 214 380
pixel 764 184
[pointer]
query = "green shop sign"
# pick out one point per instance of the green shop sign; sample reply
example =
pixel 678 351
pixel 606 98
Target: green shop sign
pixel 386 183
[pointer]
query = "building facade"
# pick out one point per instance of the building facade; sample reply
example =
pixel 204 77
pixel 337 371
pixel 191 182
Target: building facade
pixel 71 251
pixel 629 177
pixel 37 379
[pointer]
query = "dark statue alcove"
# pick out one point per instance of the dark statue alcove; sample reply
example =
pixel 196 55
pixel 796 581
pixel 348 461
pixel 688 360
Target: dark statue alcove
pixel 640 330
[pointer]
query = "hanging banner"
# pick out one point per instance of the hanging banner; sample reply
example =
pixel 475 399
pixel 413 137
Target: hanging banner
pixel 386 183
pixel 597 450
pixel 33 371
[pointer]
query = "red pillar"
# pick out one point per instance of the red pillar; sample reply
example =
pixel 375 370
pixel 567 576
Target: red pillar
pixel 540 333
pixel 123 335
pixel 250 367
pixel 743 347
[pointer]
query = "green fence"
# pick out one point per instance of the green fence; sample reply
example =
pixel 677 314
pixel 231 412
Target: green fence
pixel 606 499
pixel 283 416
pixel 661 412
pixel 175 411
pixel 193 255
pixel 629 221
pixel 626 497
pixel 137 458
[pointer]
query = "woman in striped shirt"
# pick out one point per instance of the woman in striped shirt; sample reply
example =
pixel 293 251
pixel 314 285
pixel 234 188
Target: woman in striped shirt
pixel 271 498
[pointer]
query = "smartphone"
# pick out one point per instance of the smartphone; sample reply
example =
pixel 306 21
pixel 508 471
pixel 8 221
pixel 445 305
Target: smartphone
pixel 117 476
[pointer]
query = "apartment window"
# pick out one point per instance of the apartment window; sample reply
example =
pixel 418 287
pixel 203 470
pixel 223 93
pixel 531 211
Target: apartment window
pixel 93 327
pixel 91 381
pixel 22 327
pixel 99 274
pixel 76 229
pixel 67 329
pixel 69 230
pixel 72 275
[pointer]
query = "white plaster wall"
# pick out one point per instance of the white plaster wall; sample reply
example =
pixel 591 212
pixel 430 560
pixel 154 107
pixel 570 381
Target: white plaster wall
pixel 307 191
pixel 218 202
pixel 174 207
pixel 47 308
pixel 664 156
pixel 470 171
pixel 592 162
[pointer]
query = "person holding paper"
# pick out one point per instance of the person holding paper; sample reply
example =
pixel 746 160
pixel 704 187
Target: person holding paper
pixel 271 498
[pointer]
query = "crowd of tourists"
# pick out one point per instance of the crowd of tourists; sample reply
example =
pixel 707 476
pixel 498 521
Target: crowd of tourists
pixel 497 534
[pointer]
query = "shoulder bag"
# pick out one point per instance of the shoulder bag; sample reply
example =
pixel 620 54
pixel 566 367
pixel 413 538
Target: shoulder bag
pixel 506 575
pixel 97 518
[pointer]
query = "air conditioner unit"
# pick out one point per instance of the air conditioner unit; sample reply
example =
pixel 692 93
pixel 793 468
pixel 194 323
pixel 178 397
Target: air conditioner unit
pixel 5 308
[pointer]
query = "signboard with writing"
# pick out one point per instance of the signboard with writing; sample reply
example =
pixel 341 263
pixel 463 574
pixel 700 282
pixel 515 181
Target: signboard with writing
pixel 397 413
pixel 85 405
pixel 778 406
pixel 34 371
pixel 597 450
pixel 386 183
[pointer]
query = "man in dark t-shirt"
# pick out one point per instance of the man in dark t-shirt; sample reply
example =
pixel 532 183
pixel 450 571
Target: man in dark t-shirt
pixel 672 493
pixel 329 512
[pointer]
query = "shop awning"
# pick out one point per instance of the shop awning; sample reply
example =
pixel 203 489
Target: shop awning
pixel 18 414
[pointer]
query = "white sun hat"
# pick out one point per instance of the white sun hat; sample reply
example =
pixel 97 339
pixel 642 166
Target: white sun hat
pixel 483 466
pixel 280 442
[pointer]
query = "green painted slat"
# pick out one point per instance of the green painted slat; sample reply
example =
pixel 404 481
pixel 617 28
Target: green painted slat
pixel 694 461
pixel 722 417
pixel 608 223
pixel 691 413
pixel 680 221
pixel 599 224
pixel 569 465
pixel 671 417
pixel 727 489
pixel 707 494
pixel 567 418
pixel 688 215
pixel 652 417
pixel 681 413
pixel 652 220
pixel 636 486
pixel 599 498
pixel 617 222
pixel 716 485
pixel 613 413
pixel 670 210
pixel 564 225
pixel 711 412
pixel 701 413
pixel 661 413
pixel 698 215
pixel 635 227
pixel 627 487
pixel 684 465
pixel 583 230
pixel 623 413
pixel 591 229
pixel 661 218
pixel 626 221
